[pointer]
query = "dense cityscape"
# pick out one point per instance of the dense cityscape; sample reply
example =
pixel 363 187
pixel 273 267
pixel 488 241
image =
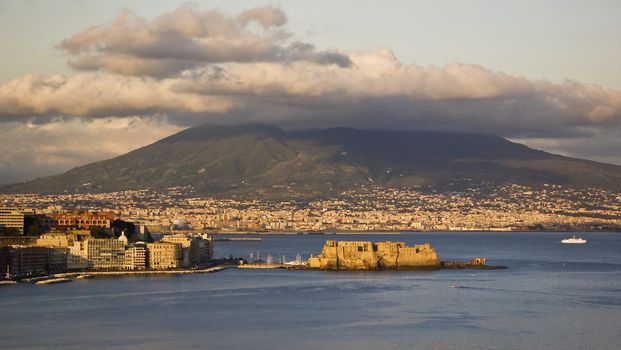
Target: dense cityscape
pixel 148 230
pixel 482 208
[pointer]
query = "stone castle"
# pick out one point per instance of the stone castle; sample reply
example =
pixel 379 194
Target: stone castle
pixel 359 255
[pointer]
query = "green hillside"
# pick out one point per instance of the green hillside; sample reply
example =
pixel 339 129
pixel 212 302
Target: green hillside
pixel 265 159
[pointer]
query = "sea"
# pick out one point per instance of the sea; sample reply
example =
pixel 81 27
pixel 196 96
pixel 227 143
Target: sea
pixel 552 296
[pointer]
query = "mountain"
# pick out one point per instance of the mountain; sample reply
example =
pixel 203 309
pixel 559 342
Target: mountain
pixel 264 160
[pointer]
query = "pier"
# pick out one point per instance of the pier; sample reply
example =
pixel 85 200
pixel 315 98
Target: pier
pixel 236 239
pixel 69 276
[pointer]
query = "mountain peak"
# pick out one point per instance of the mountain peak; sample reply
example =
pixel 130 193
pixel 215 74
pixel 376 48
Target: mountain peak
pixel 260 158
pixel 214 131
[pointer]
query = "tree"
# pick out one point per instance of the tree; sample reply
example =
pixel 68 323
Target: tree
pixel 119 226
pixel 34 230
pixel 32 226
pixel 99 232
pixel 148 236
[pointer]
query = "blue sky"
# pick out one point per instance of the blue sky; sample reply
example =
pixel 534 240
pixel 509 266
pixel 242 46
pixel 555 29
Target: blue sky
pixel 82 81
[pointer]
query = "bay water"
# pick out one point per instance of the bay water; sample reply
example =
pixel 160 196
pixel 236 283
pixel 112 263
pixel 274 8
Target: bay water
pixel 552 296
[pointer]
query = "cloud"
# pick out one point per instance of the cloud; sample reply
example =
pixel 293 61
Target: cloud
pixel 599 144
pixel 188 38
pixel 33 150
pixel 375 91
pixel 99 95
pixel 266 16
pixel 190 67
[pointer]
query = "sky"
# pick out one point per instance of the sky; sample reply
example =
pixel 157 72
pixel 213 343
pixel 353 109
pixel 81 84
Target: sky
pixel 82 81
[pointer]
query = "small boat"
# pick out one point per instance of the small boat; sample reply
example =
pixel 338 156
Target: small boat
pixel 84 276
pixel 574 240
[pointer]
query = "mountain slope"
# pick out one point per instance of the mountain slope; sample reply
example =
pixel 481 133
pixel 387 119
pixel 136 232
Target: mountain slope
pixel 264 159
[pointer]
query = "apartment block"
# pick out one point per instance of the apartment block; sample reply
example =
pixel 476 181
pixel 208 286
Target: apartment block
pixel 195 249
pixel 11 217
pixel 105 253
pixel 136 257
pixel 164 255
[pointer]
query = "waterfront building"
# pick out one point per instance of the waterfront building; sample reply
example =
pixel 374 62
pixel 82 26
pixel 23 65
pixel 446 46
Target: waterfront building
pixel 19 240
pixel 77 259
pixel 195 249
pixel 136 256
pixel 205 249
pixel 56 259
pixel 22 260
pixel 164 255
pixel 12 218
pixel 105 253
pixel 188 247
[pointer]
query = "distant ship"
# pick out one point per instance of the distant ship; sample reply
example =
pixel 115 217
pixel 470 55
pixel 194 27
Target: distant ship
pixel 574 240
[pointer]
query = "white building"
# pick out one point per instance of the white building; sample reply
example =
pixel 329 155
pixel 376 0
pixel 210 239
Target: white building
pixel 77 259
pixel 136 257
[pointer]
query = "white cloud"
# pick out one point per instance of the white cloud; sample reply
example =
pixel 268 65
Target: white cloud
pixel 197 66
pixel 187 38
pixel 91 94
pixel 266 16
pixel 457 97
pixel 32 150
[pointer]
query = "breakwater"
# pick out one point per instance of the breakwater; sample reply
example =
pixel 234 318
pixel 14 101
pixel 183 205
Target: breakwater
pixel 68 276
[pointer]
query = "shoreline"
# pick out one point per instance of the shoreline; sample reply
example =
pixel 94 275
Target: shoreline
pixel 71 276
pixel 120 273
pixel 147 272
pixel 385 232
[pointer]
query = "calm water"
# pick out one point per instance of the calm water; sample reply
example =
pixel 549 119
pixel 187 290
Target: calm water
pixel 553 296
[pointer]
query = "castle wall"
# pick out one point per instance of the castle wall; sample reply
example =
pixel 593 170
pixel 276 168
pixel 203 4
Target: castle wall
pixel 358 255
pixel 388 254
pixel 419 256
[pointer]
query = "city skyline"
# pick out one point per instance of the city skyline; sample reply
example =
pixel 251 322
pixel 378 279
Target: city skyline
pixel 113 77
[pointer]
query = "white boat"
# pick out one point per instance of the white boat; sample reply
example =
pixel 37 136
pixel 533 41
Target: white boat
pixel 574 240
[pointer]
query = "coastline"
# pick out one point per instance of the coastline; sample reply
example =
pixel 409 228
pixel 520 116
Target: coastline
pixel 148 272
pixel 397 232
pixel 78 274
